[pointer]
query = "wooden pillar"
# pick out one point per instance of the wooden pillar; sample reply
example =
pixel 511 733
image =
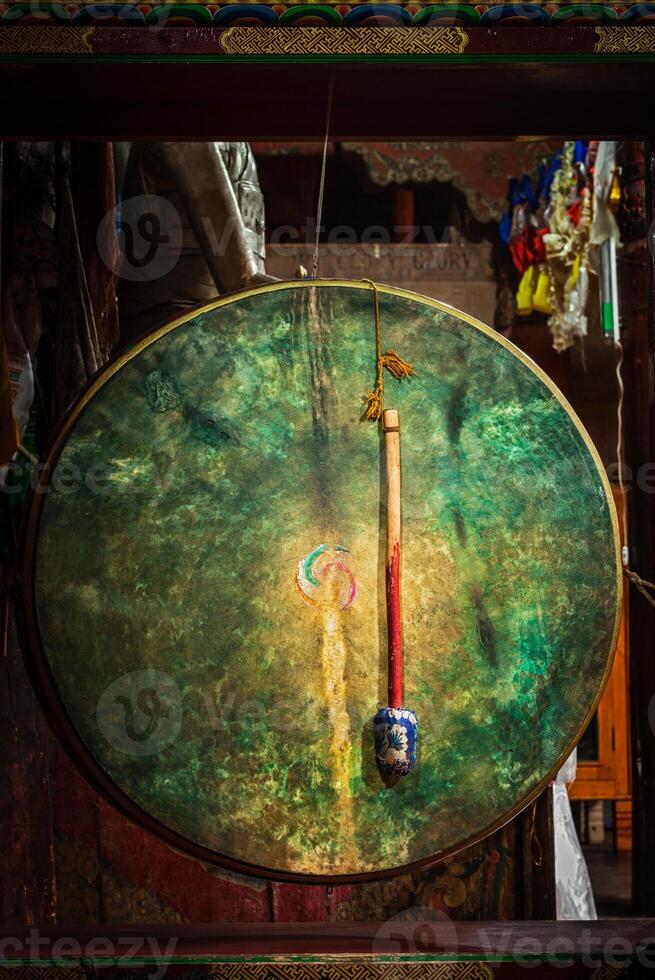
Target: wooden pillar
pixel 623 825
pixel 538 858
pixel 637 280
pixel 2 147
pixel 403 215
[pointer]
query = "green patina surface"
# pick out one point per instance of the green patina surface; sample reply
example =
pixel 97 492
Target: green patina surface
pixel 226 452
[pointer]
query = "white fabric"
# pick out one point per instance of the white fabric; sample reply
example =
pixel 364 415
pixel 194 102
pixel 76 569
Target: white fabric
pixel 603 224
pixel 574 895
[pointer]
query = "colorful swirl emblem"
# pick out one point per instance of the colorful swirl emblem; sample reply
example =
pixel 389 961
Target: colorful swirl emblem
pixel 324 579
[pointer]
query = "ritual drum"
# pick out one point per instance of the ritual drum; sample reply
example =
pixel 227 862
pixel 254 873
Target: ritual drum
pixel 203 595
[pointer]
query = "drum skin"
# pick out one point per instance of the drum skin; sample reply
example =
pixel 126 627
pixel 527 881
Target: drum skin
pixel 204 594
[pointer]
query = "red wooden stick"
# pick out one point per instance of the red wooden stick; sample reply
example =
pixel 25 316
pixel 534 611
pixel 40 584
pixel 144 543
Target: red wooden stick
pixel 394 617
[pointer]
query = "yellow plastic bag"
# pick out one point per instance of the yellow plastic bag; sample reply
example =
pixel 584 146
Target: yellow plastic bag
pixel 525 292
pixel 541 298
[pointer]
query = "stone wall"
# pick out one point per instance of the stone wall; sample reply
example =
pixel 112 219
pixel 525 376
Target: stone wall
pixel 460 274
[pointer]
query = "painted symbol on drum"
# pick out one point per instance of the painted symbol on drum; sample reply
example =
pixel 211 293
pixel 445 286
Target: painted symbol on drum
pixel 324 579
pixel 325 582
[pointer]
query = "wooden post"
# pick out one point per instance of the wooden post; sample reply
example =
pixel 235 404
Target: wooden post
pixel 394 613
pixel 638 275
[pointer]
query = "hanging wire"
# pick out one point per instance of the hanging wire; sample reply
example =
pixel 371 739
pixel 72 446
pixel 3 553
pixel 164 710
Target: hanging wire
pixel 374 400
pixel 321 186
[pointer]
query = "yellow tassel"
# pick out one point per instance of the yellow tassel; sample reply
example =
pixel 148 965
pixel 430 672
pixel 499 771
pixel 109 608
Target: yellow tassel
pixel 373 406
pixel 396 366
pixel 374 401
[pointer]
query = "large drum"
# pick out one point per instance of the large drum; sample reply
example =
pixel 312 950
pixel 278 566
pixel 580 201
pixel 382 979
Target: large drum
pixel 204 581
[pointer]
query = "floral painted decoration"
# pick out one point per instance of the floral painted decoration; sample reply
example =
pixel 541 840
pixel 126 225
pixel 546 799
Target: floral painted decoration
pixel 396 733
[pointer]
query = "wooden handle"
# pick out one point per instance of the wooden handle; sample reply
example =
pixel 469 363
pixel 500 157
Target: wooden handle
pixel 391 425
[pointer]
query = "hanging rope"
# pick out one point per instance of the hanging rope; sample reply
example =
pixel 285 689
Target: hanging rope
pixel 374 400
pixel 321 186
pixel 536 851
pixel 619 438
pixel 641 584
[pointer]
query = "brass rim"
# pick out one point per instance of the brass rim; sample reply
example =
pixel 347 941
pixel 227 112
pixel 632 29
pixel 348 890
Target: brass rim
pixel 46 685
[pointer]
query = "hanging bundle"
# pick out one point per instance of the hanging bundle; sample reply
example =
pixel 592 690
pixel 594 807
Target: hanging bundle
pixel 567 254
